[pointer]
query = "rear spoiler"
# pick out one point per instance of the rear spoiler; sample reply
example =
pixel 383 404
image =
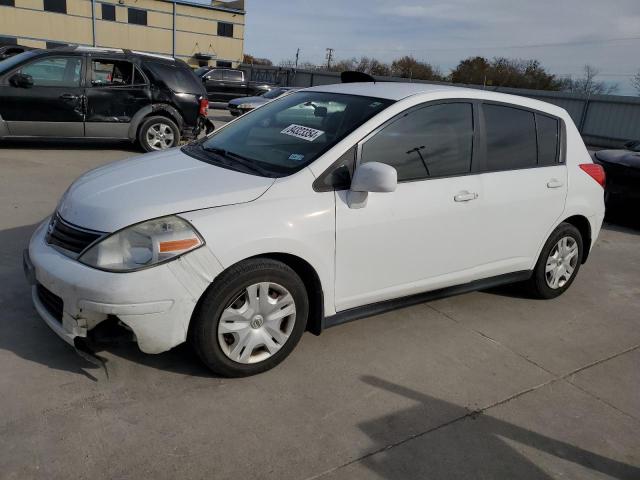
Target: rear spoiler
pixel 355 77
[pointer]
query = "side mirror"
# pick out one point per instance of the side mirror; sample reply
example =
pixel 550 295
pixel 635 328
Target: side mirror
pixel 371 177
pixel 21 80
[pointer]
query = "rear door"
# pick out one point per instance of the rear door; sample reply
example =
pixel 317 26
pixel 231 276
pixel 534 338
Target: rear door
pixel 524 184
pixel 116 91
pixel 52 106
pixel 234 83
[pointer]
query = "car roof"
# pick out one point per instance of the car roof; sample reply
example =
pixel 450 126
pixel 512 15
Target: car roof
pixel 111 51
pixel 400 90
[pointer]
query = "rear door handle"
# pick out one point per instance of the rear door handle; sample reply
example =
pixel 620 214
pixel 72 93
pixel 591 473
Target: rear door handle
pixel 68 96
pixel 554 183
pixel 465 196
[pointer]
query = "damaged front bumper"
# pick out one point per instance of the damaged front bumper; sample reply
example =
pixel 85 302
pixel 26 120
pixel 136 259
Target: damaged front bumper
pixel 155 304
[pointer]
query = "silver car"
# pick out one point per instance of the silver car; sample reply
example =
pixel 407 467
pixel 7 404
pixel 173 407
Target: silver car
pixel 241 105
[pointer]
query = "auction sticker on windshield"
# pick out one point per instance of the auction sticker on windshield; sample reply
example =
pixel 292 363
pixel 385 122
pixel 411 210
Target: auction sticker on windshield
pixel 304 133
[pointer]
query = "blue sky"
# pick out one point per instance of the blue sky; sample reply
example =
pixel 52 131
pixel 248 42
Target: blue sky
pixel 563 34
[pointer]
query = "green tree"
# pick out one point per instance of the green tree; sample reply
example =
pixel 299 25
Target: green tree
pixel 409 67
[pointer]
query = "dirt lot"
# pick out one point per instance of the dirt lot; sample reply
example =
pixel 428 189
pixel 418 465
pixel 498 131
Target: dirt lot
pixel 484 385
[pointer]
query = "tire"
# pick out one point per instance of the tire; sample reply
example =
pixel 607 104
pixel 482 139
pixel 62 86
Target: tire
pixel 554 255
pixel 267 339
pixel 158 133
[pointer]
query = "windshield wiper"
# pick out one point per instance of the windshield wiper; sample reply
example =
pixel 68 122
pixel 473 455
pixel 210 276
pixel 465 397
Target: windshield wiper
pixel 247 163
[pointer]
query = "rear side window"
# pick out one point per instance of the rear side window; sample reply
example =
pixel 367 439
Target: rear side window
pixel 110 73
pixel 434 141
pixel 234 75
pixel 178 79
pixel 548 139
pixel 510 138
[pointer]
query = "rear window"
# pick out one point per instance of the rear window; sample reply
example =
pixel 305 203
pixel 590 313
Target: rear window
pixel 510 138
pixel 178 79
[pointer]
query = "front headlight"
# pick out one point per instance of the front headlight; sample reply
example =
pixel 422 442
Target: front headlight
pixel 143 245
pixel 245 106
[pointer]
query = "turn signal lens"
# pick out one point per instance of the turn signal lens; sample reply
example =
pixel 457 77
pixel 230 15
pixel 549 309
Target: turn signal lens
pixel 179 245
pixel 595 171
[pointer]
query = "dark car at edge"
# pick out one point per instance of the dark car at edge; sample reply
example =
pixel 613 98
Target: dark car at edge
pixel 94 93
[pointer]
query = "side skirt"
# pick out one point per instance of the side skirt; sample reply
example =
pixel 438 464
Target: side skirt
pixel 388 305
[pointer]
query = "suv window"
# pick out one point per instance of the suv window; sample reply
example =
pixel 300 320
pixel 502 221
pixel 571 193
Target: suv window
pixel 179 79
pixel 234 75
pixel 510 138
pixel 434 141
pixel 548 139
pixel 110 73
pixel 54 71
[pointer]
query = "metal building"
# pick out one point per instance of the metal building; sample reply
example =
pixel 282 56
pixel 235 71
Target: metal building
pixel 200 34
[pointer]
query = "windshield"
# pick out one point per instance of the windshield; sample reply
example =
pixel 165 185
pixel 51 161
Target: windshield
pixel 11 62
pixel 288 133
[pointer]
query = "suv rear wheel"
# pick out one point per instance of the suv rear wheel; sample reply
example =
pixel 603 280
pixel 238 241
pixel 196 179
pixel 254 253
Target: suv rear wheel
pixel 558 263
pixel 158 133
pixel 251 318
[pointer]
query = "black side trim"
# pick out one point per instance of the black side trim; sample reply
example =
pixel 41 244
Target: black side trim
pixel 382 307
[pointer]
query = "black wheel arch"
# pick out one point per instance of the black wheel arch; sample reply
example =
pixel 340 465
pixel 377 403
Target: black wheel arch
pixel 584 227
pixel 161 109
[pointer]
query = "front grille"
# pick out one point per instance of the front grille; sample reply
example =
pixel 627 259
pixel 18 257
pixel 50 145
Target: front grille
pixel 50 301
pixel 69 236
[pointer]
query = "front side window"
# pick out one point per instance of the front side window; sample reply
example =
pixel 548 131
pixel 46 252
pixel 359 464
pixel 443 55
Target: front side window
pixel 58 6
pixel 288 133
pixel 111 73
pixel 510 138
pixel 54 72
pixel 433 141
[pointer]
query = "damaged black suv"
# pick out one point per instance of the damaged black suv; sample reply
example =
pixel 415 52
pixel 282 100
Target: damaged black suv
pixel 83 92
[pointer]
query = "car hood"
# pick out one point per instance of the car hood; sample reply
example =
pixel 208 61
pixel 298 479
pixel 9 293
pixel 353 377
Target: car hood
pixel 153 185
pixel 253 100
pixel 625 158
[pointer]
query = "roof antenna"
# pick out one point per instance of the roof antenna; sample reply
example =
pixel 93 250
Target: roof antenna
pixel 356 77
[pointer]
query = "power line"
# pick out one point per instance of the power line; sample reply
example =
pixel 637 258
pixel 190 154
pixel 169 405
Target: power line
pixel 492 47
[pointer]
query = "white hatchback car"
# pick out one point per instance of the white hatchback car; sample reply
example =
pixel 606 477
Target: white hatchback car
pixel 326 205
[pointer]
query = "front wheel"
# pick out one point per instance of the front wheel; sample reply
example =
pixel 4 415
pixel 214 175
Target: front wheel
pixel 251 318
pixel 158 133
pixel 558 263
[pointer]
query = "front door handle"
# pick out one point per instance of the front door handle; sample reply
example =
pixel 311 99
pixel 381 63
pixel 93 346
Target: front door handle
pixel 554 183
pixel 465 196
pixel 68 96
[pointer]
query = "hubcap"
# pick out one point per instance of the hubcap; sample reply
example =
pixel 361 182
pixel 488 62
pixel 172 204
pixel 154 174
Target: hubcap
pixel 257 323
pixel 561 263
pixel 160 136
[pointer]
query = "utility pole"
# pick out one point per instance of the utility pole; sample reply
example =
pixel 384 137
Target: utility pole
pixel 297 56
pixel 329 57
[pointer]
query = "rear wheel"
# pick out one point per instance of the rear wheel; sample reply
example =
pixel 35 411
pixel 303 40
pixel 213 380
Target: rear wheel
pixel 558 263
pixel 158 133
pixel 251 318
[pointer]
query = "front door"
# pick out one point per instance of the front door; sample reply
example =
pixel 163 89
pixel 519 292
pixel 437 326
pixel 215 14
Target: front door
pixel 116 91
pixel 421 236
pixel 52 106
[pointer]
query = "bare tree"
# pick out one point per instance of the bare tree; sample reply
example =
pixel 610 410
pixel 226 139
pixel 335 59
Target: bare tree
pixel 588 85
pixel 635 81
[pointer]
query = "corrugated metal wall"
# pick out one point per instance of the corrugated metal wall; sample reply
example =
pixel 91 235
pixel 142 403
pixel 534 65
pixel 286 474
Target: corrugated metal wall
pixel 603 120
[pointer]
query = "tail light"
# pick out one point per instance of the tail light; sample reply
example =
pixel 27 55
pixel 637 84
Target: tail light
pixel 204 107
pixel 595 171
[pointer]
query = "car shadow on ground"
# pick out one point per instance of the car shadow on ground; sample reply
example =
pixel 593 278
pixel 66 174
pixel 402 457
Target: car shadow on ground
pixel 80 144
pixel 468 445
